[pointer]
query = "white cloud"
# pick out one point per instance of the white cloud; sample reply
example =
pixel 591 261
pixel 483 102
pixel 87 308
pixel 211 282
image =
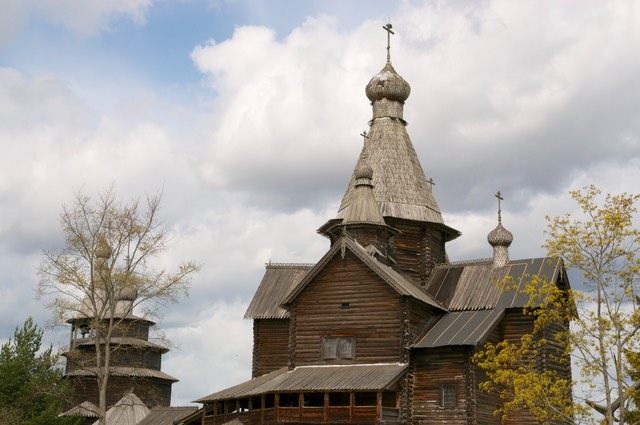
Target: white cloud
pixel 83 17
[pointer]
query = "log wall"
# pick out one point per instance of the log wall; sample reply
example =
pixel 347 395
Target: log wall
pixel 270 345
pixel 152 392
pixel 432 369
pixel 417 249
pixel 347 299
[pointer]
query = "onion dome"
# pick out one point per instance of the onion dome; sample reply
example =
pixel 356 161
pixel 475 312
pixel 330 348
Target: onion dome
pixel 363 173
pixel 103 250
pixel 388 84
pixel 500 239
pixel 127 294
pixel 500 236
pixel 364 208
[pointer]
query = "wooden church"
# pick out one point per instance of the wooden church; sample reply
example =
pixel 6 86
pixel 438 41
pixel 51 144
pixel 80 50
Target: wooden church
pixel 382 328
pixel 136 380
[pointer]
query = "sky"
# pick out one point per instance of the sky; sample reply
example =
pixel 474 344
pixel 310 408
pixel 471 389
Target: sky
pixel 246 115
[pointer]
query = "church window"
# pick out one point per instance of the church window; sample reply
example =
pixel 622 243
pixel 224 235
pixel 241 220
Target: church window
pixel 338 347
pixel 448 396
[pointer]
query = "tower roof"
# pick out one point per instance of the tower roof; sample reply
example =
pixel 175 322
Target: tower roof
pixel 399 184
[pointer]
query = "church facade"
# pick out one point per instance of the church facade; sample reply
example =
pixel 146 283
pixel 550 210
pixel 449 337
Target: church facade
pixel 383 327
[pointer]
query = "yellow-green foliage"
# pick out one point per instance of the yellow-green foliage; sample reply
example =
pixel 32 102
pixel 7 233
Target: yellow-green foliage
pixel 603 244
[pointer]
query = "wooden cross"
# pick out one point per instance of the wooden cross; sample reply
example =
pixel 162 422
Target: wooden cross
pixel 387 28
pixel 500 198
pixel 365 136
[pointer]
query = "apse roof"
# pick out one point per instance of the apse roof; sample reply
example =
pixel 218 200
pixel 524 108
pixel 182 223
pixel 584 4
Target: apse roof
pixel 476 285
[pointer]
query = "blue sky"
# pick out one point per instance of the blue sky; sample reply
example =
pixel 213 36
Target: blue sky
pixel 247 115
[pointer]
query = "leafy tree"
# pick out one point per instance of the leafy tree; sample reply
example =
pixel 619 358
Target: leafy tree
pixel 32 390
pixel 603 245
pixel 515 370
pixel 107 258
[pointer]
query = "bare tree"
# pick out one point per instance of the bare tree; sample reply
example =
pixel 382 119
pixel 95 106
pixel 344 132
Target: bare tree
pixel 104 272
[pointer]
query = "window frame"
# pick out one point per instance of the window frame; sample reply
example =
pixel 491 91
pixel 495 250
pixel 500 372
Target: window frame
pixel 338 347
pixel 449 395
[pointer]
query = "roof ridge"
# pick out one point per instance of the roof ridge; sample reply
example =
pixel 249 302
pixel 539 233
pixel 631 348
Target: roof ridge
pixel 271 265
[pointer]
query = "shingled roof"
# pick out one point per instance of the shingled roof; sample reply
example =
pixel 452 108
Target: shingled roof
pixel 276 284
pixel 400 186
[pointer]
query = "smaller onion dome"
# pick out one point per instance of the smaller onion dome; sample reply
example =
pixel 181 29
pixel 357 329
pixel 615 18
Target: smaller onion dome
pixel 500 236
pixel 103 250
pixel 127 294
pixel 363 171
pixel 388 84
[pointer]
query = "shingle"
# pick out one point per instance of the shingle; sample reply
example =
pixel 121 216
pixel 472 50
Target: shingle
pixel 276 284
pixel 167 415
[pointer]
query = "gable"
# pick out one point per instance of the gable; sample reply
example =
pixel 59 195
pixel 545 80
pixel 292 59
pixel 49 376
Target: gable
pixel 399 283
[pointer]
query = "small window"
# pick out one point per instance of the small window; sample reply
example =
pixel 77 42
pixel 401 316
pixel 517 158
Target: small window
pixel 338 347
pixel 448 396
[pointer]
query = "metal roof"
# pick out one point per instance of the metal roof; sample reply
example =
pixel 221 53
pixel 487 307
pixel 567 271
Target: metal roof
pixel 476 286
pixel 476 301
pixel 400 283
pixel 160 415
pixel 276 284
pixel 460 328
pixel 368 377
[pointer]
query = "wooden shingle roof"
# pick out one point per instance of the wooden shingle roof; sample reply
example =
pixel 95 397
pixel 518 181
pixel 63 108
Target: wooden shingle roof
pixel 276 284
pixel 86 409
pixel 135 372
pixel 128 411
pixel 161 415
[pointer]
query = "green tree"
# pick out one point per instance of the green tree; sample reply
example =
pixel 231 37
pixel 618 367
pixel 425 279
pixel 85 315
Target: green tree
pixel 32 389
pixel 105 270
pixel 603 245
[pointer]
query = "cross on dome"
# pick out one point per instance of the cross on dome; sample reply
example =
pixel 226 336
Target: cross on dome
pixel 387 28
pixel 500 198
